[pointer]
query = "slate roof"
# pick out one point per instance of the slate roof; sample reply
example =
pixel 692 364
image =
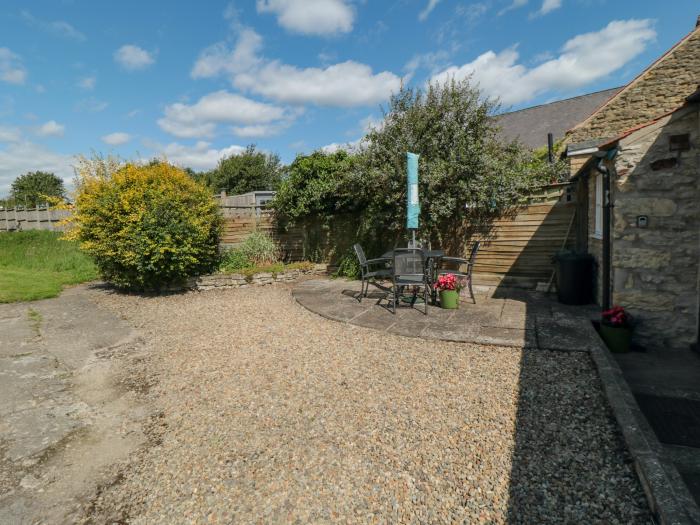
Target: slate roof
pixel 531 125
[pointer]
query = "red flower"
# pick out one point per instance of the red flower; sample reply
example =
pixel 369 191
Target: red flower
pixel 616 316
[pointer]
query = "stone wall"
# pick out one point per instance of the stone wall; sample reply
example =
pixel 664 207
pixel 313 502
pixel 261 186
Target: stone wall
pixel 661 89
pixel 223 281
pixel 655 269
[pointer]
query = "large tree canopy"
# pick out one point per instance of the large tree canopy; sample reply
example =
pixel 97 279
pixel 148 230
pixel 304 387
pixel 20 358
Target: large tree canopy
pixel 466 175
pixel 35 186
pixel 251 170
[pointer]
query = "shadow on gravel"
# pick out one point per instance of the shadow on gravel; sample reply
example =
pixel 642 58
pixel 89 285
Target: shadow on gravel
pixel 569 463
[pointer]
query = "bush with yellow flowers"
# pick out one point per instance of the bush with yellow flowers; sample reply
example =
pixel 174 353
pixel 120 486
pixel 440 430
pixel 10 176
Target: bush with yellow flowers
pixel 146 226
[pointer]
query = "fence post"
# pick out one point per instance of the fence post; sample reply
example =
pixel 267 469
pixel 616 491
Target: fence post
pixel 37 213
pixel 48 216
pixel 7 222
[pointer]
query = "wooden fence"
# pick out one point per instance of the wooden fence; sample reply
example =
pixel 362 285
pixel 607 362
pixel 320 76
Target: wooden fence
pixel 518 251
pixel 38 218
pixel 241 221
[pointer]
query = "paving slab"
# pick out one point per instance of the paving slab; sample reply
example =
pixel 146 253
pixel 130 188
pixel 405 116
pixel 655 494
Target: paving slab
pixel 507 317
pixel 57 434
pixel 493 335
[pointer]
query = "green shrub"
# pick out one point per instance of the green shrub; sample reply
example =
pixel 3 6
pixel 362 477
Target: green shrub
pixel 233 260
pixel 147 226
pixel 259 248
pixel 348 266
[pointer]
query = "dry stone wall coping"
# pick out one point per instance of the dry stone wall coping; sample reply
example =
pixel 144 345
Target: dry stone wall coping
pixel 237 280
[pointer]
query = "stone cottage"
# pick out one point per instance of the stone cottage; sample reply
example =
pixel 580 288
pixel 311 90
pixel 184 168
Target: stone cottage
pixel 637 163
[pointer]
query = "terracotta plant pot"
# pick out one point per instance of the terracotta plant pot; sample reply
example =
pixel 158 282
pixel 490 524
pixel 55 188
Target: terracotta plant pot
pixel 617 338
pixel 449 299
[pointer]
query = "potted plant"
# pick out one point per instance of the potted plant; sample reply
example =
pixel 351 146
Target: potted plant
pixel 449 286
pixel 616 329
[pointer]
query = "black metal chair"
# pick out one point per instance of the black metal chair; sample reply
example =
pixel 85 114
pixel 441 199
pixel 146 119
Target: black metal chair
pixel 409 270
pixel 367 272
pixel 461 267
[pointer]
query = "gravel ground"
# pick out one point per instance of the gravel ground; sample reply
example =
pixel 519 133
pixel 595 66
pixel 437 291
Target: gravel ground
pixel 269 413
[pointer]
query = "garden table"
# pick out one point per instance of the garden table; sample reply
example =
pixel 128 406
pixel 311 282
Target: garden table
pixel 432 259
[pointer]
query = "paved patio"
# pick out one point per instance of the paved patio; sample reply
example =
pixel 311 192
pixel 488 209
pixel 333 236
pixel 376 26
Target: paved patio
pixel 501 316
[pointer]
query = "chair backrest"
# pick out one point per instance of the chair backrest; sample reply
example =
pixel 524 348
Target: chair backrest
pixel 360 254
pixel 409 261
pixel 472 256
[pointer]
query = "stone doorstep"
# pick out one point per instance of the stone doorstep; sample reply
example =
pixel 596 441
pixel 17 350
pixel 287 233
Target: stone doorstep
pixel 669 499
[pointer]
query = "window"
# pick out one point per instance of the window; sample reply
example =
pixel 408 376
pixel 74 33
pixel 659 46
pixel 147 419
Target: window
pixel 598 225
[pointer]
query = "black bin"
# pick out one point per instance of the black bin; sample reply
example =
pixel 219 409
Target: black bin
pixel 574 278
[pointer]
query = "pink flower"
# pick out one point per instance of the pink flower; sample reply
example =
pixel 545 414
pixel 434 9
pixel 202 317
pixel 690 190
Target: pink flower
pixel 448 281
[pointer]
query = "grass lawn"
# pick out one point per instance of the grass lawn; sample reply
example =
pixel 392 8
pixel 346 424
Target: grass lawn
pixel 37 265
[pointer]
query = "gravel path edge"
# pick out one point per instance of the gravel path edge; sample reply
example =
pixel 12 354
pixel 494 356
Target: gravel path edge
pixel 668 497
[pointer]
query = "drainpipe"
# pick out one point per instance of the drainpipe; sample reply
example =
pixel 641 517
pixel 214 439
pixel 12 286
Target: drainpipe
pixel 696 346
pixel 602 168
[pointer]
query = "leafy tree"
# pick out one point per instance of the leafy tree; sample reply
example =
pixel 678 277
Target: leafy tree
pixel 251 170
pixel 319 185
pixel 35 186
pixel 466 176
pixel 320 191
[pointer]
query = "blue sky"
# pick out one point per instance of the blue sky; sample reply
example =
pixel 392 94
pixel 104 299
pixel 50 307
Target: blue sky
pixel 197 80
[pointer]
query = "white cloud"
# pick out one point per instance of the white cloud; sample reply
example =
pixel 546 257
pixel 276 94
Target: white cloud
pixel 371 122
pixel 9 134
pixel 311 17
pixel 132 57
pixel 582 60
pixel 200 119
pixel 20 157
pixel 51 129
pixel 218 59
pixel 92 105
pixel 334 147
pixel 345 84
pixel 201 156
pixel 432 61
pixel 258 131
pixel 117 138
pixel 12 70
pixel 548 6
pixel 87 83
pixel 472 12
pixel 55 27
pixel 514 5
pixel 428 9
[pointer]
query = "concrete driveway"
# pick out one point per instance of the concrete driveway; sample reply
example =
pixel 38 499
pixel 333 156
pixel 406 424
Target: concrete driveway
pixel 66 413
